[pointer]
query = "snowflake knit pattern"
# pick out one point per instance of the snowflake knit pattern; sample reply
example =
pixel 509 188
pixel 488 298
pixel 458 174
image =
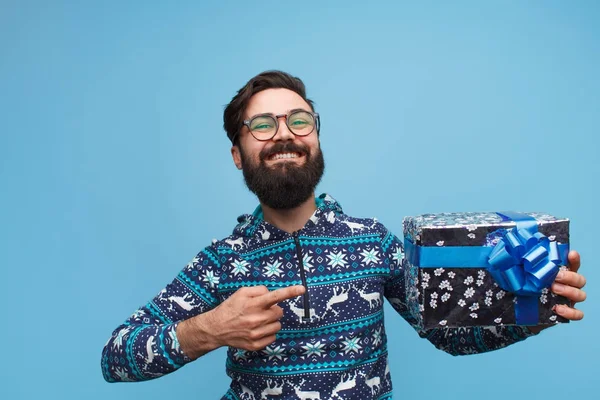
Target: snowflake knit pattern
pixel 332 343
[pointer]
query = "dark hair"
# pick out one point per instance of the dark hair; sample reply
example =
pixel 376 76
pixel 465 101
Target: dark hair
pixel 233 116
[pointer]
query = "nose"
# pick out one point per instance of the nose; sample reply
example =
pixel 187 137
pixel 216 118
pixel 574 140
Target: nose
pixel 283 132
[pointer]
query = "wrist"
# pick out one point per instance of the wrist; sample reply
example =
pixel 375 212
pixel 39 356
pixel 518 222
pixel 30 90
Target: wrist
pixel 196 336
pixel 206 326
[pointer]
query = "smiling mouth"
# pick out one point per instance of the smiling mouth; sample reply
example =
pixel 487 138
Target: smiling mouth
pixel 289 155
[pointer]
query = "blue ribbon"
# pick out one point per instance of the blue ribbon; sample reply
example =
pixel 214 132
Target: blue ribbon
pixel 524 262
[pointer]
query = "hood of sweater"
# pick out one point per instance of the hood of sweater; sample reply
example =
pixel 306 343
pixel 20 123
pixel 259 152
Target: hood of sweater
pixel 254 226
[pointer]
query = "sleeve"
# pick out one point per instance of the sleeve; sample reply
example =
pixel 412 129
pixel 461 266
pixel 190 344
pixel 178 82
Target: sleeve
pixel 455 341
pixel 145 346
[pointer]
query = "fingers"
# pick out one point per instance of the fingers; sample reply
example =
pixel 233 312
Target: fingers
pixel 277 296
pixel 571 278
pixel 572 293
pixel 276 313
pixel 568 312
pixel 265 331
pixel 569 284
pixel 574 260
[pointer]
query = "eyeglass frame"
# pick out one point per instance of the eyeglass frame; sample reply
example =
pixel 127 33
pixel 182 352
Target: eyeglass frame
pixel 276 118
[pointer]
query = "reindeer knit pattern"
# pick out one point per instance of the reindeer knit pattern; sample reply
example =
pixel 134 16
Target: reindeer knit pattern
pixel 349 265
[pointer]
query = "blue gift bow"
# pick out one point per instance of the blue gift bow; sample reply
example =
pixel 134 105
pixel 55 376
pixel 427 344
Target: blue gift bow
pixel 524 262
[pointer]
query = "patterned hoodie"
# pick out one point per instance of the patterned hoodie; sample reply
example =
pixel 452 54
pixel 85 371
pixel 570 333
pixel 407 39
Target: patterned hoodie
pixel 332 343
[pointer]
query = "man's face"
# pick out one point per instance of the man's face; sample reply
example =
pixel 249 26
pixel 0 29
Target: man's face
pixel 279 182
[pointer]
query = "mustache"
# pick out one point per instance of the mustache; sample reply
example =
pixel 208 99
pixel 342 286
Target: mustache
pixel 287 147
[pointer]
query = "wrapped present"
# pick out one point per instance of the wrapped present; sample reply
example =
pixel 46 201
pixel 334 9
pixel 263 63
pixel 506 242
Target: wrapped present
pixel 484 269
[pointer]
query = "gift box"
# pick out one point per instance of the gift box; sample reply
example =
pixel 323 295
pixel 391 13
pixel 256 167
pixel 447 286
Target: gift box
pixel 484 269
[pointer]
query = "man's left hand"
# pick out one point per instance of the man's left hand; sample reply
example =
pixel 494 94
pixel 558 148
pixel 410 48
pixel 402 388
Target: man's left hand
pixel 568 283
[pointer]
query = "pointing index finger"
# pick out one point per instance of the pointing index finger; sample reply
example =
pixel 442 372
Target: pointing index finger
pixel 277 296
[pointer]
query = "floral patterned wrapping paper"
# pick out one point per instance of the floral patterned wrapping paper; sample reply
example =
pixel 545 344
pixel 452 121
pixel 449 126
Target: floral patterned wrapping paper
pixel 469 296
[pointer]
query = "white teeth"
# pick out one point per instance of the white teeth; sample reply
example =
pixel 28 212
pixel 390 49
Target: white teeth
pixel 284 155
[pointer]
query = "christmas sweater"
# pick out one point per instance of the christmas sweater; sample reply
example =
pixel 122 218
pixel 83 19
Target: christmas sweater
pixel 332 343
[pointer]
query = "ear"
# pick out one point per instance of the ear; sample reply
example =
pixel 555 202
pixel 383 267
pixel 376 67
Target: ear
pixel 235 154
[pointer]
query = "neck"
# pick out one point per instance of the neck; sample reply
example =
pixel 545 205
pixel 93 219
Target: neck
pixel 290 220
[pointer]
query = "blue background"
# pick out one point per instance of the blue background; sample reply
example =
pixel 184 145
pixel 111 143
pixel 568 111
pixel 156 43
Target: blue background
pixel 115 170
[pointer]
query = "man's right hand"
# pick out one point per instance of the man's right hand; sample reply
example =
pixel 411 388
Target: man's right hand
pixel 248 319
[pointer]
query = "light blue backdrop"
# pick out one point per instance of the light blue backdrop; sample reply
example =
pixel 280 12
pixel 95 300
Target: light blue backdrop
pixel 115 169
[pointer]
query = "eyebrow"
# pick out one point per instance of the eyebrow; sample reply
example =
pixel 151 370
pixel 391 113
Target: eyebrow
pixel 296 109
pixel 272 114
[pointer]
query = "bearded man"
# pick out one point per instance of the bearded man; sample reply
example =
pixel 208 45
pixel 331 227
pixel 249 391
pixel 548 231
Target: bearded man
pixel 296 291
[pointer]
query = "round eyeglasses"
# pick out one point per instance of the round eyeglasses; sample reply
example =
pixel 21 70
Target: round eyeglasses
pixel 300 122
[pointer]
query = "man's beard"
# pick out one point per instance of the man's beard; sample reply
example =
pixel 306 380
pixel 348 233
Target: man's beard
pixel 284 185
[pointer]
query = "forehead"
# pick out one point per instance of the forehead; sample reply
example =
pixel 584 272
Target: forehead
pixel 275 101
